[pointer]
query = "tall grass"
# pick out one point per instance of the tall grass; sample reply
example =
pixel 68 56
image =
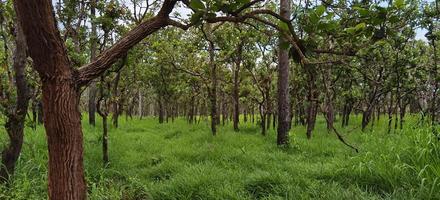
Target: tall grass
pixel 180 161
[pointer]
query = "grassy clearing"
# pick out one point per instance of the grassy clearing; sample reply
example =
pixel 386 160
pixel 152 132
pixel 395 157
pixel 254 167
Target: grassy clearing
pixel 181 161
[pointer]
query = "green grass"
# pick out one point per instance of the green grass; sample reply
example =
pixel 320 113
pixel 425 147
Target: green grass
pixel 180 161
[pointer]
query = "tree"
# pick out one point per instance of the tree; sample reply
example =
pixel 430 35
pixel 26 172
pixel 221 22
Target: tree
pixel 61 85
pixel 14 108
pixel 283 83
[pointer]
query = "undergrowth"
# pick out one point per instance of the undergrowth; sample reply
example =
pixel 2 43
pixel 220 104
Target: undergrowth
pixel 181 161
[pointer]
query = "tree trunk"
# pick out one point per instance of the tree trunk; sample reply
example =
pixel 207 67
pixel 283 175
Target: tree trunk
pixel 330 115
pixel 161 112
pixel 140 105
pixel 102 107
pixel 105 141
pixel 402 115
pixel 263 119
pixel 116 109
pixel 16 120
pixel 61 88
pixel 93 49
pixel 283 83
pixel 434 75
pixel 213 88
pixel 192 110
pixel 390 112
pixel 312 99
pixel 40 112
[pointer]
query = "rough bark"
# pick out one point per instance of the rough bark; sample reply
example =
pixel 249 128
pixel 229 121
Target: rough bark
pixel 283 83
pixel 312 98
pixel 40 115
pixel 61 84
pixel 213 88
pixel 329 97
pixel 161 108
pixel 102 109
pixel 235 94
pixel 390 112
pixel 15 121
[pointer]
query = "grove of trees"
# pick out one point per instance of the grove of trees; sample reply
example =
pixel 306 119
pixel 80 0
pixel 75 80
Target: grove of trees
pixel 277 64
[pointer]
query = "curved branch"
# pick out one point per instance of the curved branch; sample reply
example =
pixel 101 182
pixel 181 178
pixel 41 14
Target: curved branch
pixel 105 60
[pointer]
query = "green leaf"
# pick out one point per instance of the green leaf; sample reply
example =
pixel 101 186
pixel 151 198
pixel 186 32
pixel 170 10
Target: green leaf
pixel 197 4
pixel 362 11
pixel 284 26
pixel 314 19
pixel 244 1
pixel 350 30
pixel 320 10
pixel 399 4
pixel 356 29
pixel 360 26
pixel 195 18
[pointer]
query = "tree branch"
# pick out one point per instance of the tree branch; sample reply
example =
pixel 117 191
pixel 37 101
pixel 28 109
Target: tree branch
pixel 105 60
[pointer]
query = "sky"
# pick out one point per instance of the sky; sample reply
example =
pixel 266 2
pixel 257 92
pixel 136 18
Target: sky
pixel 420 34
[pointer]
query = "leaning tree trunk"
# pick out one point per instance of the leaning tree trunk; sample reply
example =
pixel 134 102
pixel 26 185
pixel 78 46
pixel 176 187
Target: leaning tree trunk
pixel 15 122
pixel 283 83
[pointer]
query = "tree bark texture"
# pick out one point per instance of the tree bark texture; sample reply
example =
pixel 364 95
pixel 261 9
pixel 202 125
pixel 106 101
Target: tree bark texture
pixel 283 83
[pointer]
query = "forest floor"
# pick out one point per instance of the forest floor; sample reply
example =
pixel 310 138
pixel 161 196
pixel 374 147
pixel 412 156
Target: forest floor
pixel 181 161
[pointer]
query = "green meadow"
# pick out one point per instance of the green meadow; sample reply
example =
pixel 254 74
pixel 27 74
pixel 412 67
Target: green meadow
pixel 177 160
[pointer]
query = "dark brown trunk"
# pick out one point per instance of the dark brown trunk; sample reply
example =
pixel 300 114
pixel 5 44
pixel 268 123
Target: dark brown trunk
pixel 263 119
pixel 312 99
pixel 274 120
pixel 34 115
pixel 15 122
pixel 402 115
pixel 192 110
pixel 65 140
pixel 213 88
pixel 61 88
pixel 253 114
pixel 390 112
pixel 40 112
pixel 283 83
pixel 366 116
pixel 161 108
